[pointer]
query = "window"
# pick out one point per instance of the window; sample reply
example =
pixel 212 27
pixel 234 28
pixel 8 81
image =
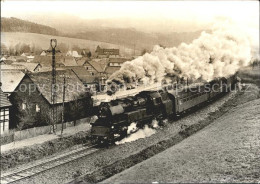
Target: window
pixel 87 68
pixel 23 106
pixel 4 118
pixel 37 108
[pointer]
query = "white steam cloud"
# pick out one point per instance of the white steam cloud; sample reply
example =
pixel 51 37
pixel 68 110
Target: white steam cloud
pixel 135 133
pixel 219 53
pixel 140 134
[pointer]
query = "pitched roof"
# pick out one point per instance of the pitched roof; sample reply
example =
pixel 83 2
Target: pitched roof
pixel 49 68
pixel 43 53
pixel 84 75
pixel 29 66
pixel 46 60
pixel 102 51
pixel 118 60
pixel 74 86
pixel 2 62
pixel 73 53
pixel 82 61
pixel 69 61
pixel 10 79
pixel 4 102
pixel 112 69
pixel 3 58
pixel 18 58
pixel 99 64
pixel 8 62
pixel 59 59
pixel 12 67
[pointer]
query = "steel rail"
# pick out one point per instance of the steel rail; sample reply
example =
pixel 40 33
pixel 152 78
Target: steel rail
pixel 47 165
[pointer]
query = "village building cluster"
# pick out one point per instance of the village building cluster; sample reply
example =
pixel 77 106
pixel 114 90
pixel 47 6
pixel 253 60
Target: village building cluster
pixel 26 84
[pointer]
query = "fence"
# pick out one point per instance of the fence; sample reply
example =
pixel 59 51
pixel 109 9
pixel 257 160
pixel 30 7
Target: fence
pixel 13 135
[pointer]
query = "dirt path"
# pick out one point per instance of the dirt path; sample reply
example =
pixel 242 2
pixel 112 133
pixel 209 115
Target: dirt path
pixel 228 150
pixel 43 138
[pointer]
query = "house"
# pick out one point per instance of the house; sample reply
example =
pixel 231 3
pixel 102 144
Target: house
pixel 47 61
pixel 17 58
pixel 31 67
pixel 44 53
pixel 2 59
pixel 73 54
pixel 10 79
pixel 114 64
pixel 32 101
pixel 2 62
pixel 69 61
pixel 26 54
pixel 82 61
pixel 100 52
pixel 30 58
pixel 96 66
pixel 7 61
pixel 110 70
pixel 117 61
pixel 85 77
pixel 59 59
pixel 4 112
pixel 13 67
pixel 103 68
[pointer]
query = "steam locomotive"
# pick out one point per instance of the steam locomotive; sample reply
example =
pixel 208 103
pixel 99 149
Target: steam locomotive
pixel 170 101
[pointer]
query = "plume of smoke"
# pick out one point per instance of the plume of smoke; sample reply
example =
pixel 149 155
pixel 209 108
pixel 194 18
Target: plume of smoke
pixel 141 133
pixel 219 53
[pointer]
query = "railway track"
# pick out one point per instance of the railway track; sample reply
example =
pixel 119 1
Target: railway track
pixel 47 165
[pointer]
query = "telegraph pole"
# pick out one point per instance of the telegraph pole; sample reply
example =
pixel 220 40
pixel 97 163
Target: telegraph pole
pixel 63 103
pixel 53 44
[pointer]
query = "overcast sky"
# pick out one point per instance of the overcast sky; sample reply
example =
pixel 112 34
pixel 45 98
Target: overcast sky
pixel 201 12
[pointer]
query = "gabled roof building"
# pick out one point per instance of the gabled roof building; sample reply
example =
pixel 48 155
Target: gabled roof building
pixel 32 97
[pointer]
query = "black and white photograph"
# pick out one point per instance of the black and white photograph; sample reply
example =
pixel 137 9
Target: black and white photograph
pixel 138 91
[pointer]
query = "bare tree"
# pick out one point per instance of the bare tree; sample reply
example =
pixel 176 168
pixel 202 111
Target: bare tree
pixel 89 54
